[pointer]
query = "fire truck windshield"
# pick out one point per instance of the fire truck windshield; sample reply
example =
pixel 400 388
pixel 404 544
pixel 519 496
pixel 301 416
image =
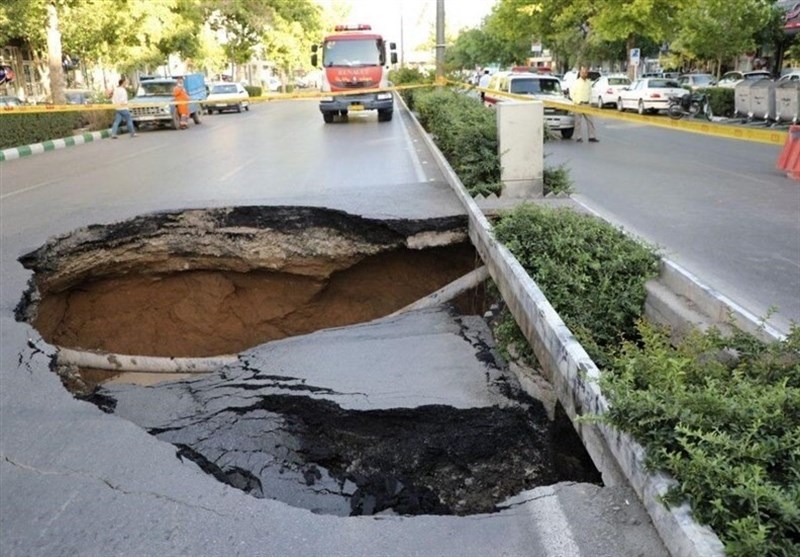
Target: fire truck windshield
pixel 364 52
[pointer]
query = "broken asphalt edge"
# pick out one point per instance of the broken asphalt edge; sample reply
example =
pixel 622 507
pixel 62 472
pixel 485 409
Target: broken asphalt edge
pixel 51 145
pixel 575 379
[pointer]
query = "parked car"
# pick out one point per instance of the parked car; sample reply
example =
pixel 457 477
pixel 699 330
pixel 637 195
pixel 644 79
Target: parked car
pixel 649 95
pixel 79 96
pixel 793 75
pixel 11 101
pixel 227 96
pixel 696 80
pixel 607 87
pixel 730 79
pixel 538 86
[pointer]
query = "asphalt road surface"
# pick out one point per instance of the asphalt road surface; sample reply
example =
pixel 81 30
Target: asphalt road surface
pixel 77 481
pixel 718 207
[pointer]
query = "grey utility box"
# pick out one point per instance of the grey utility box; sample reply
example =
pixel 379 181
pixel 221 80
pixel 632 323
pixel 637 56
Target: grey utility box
pixel 787 101
pixel 762 100
pixel 742 97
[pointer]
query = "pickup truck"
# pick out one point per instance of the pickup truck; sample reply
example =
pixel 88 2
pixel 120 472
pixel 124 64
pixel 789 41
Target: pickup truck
pixel 154 98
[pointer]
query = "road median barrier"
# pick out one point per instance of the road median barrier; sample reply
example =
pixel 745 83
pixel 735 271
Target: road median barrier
pixel 575 379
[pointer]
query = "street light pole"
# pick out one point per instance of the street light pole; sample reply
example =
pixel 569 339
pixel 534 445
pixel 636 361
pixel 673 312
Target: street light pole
pixel 439 40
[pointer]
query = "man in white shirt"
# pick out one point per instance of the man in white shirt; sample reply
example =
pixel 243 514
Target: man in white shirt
pixel 120 100
pixel 483 82
pixel 580 92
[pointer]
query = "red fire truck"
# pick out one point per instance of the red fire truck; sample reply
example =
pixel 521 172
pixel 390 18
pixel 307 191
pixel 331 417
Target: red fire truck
pixel 355 59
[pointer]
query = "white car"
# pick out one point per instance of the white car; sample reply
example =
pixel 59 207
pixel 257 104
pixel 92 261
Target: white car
pixel 649 95
pixel 607 88
pixel 729 80
pixel 793 75
pixel 696 80
pixel 540 87
pixel 227 96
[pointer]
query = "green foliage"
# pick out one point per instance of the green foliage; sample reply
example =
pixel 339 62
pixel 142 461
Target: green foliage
pixel 722 416
pixel 591 273
pixel 717 30
pixel 722 101
pixel 409 76
pixel 557 180
pixel 464 131
pixel 253 90
pixel 26 129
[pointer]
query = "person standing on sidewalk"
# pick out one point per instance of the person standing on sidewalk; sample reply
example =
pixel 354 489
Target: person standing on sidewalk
pixel 581 92
pixel 119 98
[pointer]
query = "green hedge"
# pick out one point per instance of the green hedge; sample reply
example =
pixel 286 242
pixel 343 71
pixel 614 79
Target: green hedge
pixel 29 128
pixel 253 90
pixel 592 274
pixel 26 129
pixel 722 417
pixel 722 101
pixel 465 132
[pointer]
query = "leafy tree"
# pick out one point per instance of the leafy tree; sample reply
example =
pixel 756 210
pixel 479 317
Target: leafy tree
pixel 720 29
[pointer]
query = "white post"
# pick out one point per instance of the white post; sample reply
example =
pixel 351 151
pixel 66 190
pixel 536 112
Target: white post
pixel 520 138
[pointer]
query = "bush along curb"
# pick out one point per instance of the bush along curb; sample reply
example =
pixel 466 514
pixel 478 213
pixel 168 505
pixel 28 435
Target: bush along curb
pixel 576 379
pixel 51 145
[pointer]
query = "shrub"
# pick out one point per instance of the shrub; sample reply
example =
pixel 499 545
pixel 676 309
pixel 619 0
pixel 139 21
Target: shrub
pixel 464 131
pixel 95 120
pixel 405 76
pixel 722 416
pixel 253 91
pixel 556 179
pixel 591 273
pixel 28 128
pixel 722 101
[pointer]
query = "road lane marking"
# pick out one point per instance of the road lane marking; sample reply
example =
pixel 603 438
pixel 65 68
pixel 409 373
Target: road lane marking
pixel 56 180
pixel 418 171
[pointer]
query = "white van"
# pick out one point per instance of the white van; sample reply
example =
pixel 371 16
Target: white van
pixel 541 87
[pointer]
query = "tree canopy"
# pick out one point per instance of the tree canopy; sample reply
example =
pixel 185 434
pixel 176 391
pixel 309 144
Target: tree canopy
pixel 578 31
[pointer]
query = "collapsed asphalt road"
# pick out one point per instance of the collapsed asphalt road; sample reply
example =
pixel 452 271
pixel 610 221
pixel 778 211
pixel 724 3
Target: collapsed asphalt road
pixel 287 438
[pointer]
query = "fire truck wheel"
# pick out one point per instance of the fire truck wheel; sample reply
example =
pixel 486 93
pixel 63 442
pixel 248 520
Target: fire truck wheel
pixel 328 117
pixel 384 115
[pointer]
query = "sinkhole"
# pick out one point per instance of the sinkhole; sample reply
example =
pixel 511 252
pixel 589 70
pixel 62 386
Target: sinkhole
pixel 208 282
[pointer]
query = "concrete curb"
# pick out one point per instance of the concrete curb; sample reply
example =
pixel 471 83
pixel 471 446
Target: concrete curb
pixel 51 145
pixel 575 380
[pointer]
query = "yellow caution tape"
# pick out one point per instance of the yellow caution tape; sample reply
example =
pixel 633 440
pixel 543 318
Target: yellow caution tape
pixel 300 95
pixel 730 131
pixel 760 135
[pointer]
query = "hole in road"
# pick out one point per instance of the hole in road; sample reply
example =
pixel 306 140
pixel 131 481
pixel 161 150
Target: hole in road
pixel 207 282
pixel 204 283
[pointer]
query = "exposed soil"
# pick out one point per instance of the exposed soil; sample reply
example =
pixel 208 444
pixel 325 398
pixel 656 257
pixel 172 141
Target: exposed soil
pixel 204 313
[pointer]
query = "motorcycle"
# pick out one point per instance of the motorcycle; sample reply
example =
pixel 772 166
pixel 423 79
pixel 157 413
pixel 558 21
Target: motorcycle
pixel 691 104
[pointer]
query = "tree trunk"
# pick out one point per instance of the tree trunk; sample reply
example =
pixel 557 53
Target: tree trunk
pixel 54 56
pixel 629 44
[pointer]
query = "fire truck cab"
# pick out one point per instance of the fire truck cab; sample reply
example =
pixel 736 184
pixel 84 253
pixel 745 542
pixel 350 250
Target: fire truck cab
pixel 354 60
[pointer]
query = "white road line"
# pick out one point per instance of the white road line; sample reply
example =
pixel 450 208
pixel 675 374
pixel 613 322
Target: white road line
pixel 412 150
pixel 549 519
pixel 55 180
pixel 238 169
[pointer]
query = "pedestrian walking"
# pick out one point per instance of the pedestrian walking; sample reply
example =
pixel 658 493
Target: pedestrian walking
pixel 483 82
pixel 580 92
pixel 119 98
pixel 181 100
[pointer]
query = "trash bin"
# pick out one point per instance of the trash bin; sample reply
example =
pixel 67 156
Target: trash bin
pixel 762 100
pixel 742 97
pixel 787 101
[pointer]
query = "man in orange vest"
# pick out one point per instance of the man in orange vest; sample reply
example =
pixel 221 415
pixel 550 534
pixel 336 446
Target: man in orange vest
pixel 182 100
